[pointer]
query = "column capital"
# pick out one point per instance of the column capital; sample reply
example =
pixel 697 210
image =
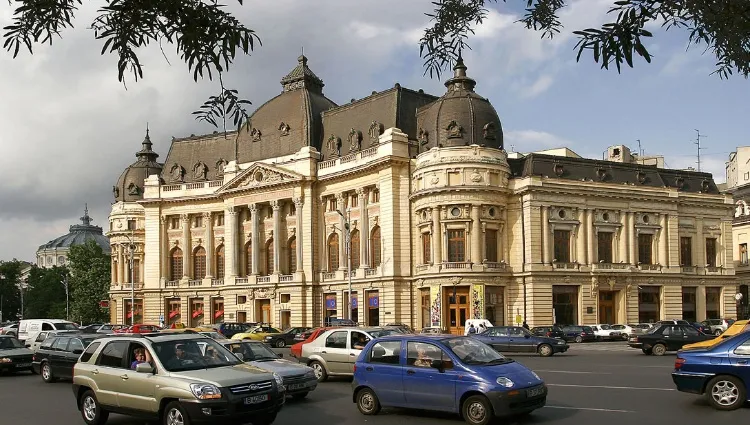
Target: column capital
pixel 361 192
pixel 207 215
pixel 184 217
pixel 340 197
pixel 231 210
pixel 253 208
pixel 299 202
pixel 163 219
pixel 275 204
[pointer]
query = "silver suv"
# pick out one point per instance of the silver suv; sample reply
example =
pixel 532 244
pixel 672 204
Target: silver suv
pixel 174 378
pixel 717 326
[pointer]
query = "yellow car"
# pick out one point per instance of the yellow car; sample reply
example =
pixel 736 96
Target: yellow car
pixel 258 334
pixel 736 328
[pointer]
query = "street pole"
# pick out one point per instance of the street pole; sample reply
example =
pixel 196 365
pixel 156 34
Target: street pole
pixel 348 228
pixel 132 286
pixel 1 309
pixel 67 298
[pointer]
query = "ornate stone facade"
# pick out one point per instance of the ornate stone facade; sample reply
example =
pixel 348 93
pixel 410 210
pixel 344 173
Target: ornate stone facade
pixel 426 214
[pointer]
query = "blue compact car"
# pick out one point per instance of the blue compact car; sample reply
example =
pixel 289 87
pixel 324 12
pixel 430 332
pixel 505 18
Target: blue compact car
pixel 447 373
pixel 721 372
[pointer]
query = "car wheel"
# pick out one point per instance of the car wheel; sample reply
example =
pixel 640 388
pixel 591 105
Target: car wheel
pixel 300 396
pixel 545 350
pixel 725 393
pixel 320 371
pixel 91 412
pixel 579 339
pixel 47 373
pixel 267 419
pixel 174 414
pixel 367 402
pixel 717 332
pixel 659 349
pixel 280 343
pixel 476 410
pixel 646 351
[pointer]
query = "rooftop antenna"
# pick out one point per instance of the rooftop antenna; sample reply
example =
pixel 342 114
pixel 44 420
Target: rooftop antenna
pixel 640 150
pixel 698 142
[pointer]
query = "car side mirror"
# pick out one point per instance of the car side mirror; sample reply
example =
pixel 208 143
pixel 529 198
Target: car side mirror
pixel 527 336
pixel 240 356
pixel 78 351
pixel 437 364
pixel 144 368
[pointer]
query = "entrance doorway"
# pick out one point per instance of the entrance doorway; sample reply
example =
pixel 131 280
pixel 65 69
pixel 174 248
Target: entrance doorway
pixel 607 307
pixel 457 300
pixel 263 311
pixel 286 319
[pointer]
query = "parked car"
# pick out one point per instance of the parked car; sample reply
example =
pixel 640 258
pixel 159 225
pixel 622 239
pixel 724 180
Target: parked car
pixel 285 338
pixel 736 328
pixel 404 328
pixel 230 329
pixel 28 329
pixel 606 332
pixel 663 338
pixel 625 330
pixel 549 331
pixel 258 334
pixel 701 327
pixel 335 350
pixel 334 321
pixel 578 333
pixel 138 328
pixel 14 357
pixel 58 354
pixel 9 329
pixel 423 372
pixel 105 329
pixel 720 372
pixel 515 339
pixel 299 379
pixel 181 384
pixel 34 344
pixel 718 326
pixel 296 349
pixel 641 328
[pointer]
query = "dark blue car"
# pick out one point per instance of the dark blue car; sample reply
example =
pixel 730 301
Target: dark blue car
pixel 721 373
pixel 448 373
pixel 515 339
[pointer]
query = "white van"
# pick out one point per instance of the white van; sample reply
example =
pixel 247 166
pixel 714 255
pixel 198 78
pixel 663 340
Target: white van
pixel 29 329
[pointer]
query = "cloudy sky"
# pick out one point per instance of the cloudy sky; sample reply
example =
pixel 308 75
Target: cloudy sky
pixel 68 128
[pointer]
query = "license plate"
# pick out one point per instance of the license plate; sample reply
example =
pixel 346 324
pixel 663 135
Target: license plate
pixel 22 365
pixel 256 399
pixel 535 392
pixel 293 387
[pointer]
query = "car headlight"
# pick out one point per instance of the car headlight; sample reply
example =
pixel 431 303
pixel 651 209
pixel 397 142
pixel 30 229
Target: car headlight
pixel 310 374
pixel 6 360
pixel 561 342
pixel 205 391
pixel 268 338
pixel 279 380
pixel 505 382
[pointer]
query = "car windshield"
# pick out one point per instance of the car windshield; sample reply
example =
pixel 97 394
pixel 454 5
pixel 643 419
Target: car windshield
pixel 254 351
pixel 385 332
pixel 653 330
pixel 10 343
pixel 66 327
pixel 473 352
pixel 192 354
pixel 606 327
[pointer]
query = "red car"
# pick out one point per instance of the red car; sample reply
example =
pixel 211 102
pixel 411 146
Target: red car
pixel 296 349
pixel 139 329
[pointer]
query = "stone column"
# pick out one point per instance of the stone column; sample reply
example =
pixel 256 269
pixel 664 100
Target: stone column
pixel 632 237
pixel 622 249
pixel 590 233
pixel 699 245
pixel 276 205
pixel 476 237
pixel 437 234
pixel 546 235
pixel 299 203
pixel 112 268
pixel 187 253
pixel 164 243
pixel 230 242
pixel 364 229
pixel 342 235
pixel 663 241
pixel 120 265
pixel 209 244
pixel 583 230
pixel 255 241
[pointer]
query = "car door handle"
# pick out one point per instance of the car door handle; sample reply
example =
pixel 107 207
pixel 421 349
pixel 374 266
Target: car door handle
pixel 124 377
pixel 352 354
pixel 410 372
pixel 741 361
pixel 368 368
pixel 95 372
pixel 323 352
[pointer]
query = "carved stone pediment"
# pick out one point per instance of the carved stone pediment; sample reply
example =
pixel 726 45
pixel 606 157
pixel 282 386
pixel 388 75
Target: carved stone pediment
pixel 264 293
pixel 261 175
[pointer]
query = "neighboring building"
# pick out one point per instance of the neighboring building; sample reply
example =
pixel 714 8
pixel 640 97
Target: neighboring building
pixel 55 252
pixel 738 185
pixel 242 227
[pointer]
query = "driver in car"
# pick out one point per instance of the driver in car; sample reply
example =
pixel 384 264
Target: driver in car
pixel 180 357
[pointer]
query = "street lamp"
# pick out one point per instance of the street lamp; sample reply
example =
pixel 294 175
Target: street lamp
pixel 67 297
pixel 348 228
pixel 131 251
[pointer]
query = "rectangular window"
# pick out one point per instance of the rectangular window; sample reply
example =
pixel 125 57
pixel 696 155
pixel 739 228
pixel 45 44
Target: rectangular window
pixel 649 304
pixel 332 204
pixel 456 246
pixel 565 304
pixel 490 245
pixel 174 223
pixel 562 246
pixel 197 221
pixel 689 298
pixel 686 251
pixel 426 248
pixel 713 302
pixel 604 246
pixel 292 210
pixel 743 254
pixel 131 225
pixel 711 252
pixel 353 201
pixel 219 219
pixel 645 247
pixel 136 276
pixel 375 196
pixel 425 306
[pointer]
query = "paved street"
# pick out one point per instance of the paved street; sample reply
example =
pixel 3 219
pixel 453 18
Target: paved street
pixel 598 383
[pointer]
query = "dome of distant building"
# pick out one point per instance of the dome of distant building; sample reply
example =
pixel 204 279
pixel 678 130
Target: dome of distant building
pixel 129 186
pixel 460 117
pixel 55 252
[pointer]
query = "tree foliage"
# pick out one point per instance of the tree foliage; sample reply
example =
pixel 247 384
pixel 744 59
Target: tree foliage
pixel 10 273
pixel 89 282
pixel 45 294
pixel 721 26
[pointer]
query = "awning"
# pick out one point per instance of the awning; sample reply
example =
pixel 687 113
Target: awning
pixel 130 314
pixel 174 313
pixel 218 314
pixel 197 313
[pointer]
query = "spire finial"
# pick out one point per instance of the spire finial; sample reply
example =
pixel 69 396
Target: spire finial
pixel 460 81
pixel 146 128
pixel 86 220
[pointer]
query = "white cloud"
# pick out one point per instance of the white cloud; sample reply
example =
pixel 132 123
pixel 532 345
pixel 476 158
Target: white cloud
pixel 534 140
pixel 541 85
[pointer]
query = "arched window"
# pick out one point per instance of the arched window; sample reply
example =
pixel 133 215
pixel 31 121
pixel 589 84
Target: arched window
pixel 199 263
pixel 175 264
pixel 354 249
pixel 269 256
pixel 333 252
pixel 248 258
pixel 292 254
pixel 375 247
pixel 220 262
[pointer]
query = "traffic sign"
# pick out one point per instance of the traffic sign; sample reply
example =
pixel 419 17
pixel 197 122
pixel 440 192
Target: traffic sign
pixel 104 303
pixel 519 319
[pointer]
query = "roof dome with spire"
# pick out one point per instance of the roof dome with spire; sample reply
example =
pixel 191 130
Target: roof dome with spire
pixel 460 117
pixel 79 234
pixel 129 186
